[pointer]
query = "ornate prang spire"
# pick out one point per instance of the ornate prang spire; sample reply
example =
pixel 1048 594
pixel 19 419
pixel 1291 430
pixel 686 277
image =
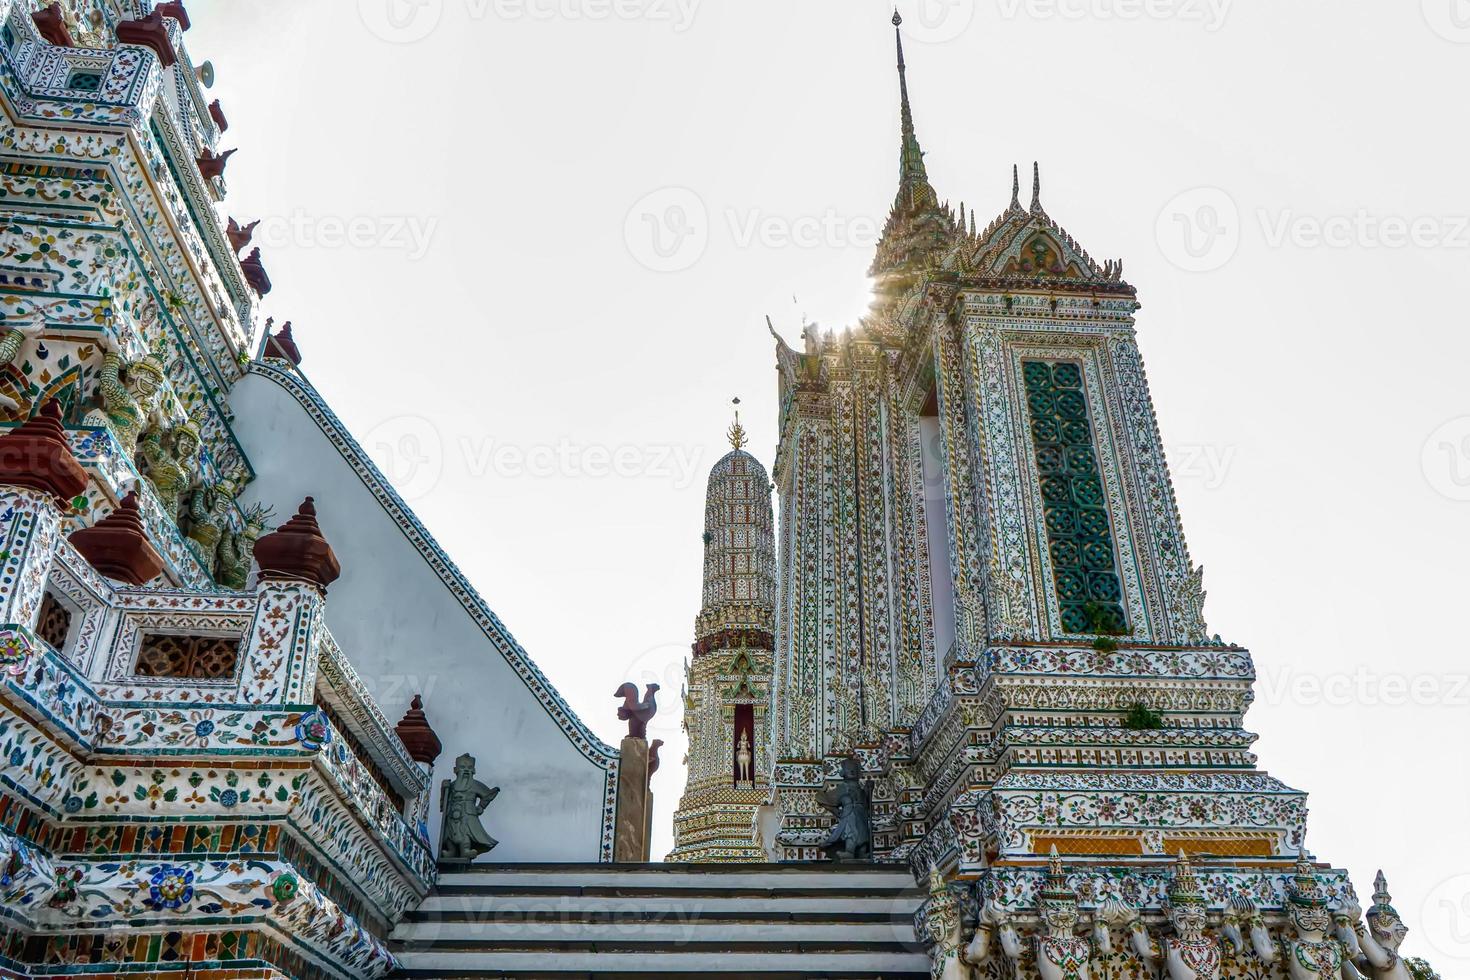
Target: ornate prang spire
pixel 1015 187
pixel 918 229
pixel 736 432
pixel 1036 187
pixel 913 179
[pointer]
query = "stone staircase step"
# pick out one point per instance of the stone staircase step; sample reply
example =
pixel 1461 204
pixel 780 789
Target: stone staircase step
pixel 766 922
pixel 525 965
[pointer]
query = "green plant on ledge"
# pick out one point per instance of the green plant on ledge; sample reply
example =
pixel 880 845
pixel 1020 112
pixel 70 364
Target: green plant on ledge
pixel 1102 626
pixel 1142 718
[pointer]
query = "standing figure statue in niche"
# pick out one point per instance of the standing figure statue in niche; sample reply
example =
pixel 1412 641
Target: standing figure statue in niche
pixel 851 837
pixel 742 759
pixel 463 799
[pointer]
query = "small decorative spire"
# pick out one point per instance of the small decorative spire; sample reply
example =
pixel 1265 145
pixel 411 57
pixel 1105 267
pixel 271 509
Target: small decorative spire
pixel 212 165
pixel 118 546
pixel 254 270
pixel 1184 888
pixel 1057 889
pixel 51 25
pixel 37 455
pixel 1304 889
pixel 416 735
pixel 148 32
pixel 1382 900
pixel 736 432
pixel 1015 187
pixel 1036 187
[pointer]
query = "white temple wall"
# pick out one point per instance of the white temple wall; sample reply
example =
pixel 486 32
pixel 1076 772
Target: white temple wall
pixel 406 631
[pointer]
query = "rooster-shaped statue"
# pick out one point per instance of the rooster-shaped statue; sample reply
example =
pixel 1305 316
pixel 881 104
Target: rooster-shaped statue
pixel 636 713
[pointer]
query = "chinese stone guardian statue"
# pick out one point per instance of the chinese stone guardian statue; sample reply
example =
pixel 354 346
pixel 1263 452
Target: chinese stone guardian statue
pixel 851 836
pixel 463 799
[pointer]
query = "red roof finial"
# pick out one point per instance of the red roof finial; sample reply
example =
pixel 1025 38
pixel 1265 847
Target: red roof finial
pixel 416 735
pixel 118 546
pixel 297 550
pixel 37 455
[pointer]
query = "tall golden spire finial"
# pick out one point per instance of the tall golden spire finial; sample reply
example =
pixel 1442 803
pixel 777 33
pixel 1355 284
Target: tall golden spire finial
pixel 736 432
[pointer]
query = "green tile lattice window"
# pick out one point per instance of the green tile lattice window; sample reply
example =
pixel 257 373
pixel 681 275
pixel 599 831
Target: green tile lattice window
pixel 1078 532
pixel 85 81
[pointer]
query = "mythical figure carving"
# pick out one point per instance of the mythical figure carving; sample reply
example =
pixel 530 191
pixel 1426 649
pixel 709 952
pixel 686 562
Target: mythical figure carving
pixel 208 512
pixel 637 713
pixel 127 406
pixel 851 837
pixel 463 799
pixel 942 920
pixel 1189 954
pixel 1060 954
pixel 1311 954
pixel 1378 941
pixel 170 454
pixel 742 758
pixel 11 339
pixel 237 548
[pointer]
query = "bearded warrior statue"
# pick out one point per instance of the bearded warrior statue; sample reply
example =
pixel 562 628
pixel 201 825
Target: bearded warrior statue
pixel 127 406
pixel 208 513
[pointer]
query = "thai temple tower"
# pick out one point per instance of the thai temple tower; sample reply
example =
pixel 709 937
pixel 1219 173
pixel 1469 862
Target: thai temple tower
pixel 986 600
pixel 728 677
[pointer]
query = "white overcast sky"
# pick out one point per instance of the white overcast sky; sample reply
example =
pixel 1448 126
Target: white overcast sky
pixel 1284 182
